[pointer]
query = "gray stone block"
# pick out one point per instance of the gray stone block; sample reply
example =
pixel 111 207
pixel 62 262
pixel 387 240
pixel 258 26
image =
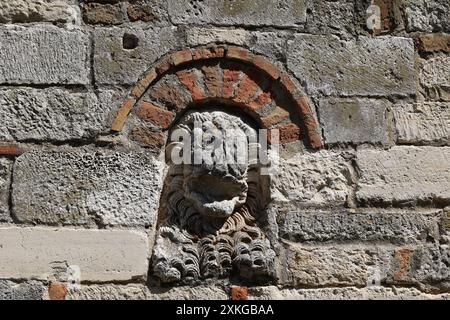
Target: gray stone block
pixel 287 13
pixel 52 114
pixel 427 15
pixel 5 181
pixel 121 55
pixel 331 266
pixel 381 66
pixel 354 120
pixel 434 76
pixel 142 292
pixel 404 176
pixel 26 11
pixel 87 187
pixel 423 123
pixel 341 17
pixel 44 55
pixel 371 225
pixel 30 290
pixel 322 178
pixel 347 293
pixel 98 255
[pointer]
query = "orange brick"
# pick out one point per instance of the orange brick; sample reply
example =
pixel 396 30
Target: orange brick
pixel 208 53
pixel 57 291
pixel 122 115
pixel 239 54
pixel 262 100
pixel 403 257
pixel 276 116
pixel 434 43
pixel 10 150
pixel 181 57
pixel 160 117
pixel 247 90
pixel 170 95
pixel 148 137
pixel 142 85
pixel 164 65
pixel 265 65
pixel 288 133
pixel 190 80
pixel 239 293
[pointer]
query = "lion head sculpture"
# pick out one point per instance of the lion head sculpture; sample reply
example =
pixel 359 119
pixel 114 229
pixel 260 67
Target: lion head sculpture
pixel 212 203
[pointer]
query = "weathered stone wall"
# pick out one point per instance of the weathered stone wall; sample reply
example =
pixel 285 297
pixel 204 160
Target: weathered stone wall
pixel 81 172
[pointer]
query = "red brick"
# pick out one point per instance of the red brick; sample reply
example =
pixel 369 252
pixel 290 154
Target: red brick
pixel 403 257
pixel 434 43
pixel 148 137
pixel 239 54
pixel 230 80
pixel 190 80
pixel 160 117
pixel 122 115
pixel 143 84
pixel 140 12
pixel 262 100
pixel 170 95
pixel 212 80
pixel 288 133
pixel 57 291
pixel 277 115
pixel 181 57
pixel 247 90
pixel 290 86
pixel 239 293
pixel 208 53
pixel 265 65
pixel 10 150
pixel 164 65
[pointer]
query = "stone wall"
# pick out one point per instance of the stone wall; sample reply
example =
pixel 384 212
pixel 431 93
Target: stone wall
pixel 360 204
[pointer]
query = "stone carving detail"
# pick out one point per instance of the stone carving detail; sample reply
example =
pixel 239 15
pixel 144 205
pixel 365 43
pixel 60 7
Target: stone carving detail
pixel 211 211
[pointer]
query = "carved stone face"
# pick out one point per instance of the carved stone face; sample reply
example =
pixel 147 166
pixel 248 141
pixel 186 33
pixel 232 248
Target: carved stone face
pixel 212 203
pixel 216 166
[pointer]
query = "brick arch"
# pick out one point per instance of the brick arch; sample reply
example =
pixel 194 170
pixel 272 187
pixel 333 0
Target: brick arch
pixel 227 75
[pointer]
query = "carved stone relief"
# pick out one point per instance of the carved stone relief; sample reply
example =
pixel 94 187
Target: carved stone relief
pixel 210 217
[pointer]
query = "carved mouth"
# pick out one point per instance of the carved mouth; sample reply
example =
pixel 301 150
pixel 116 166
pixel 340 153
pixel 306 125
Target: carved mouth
pixel 216 196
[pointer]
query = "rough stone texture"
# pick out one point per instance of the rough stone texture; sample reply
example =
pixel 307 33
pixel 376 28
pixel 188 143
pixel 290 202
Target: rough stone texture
pixel 404 175
pixel 96 13
pixel 372 225
pixel 340 17
pixel 331 266
pixel 347 293
pixel 198 36
pixel 121 55
pixel 317 179
pixel 44 55
pixel 141 292
pixel 270 44
pixel 240 12
pixel 101 255
pixel 426 267
pixel 5 181
pixel 354 120
pixel 427 15
pixel 369 66
pixel 22 11
pixel 434 77
pixel 423 123
pixel 83 187
pixel 51 114
pixel 30 290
